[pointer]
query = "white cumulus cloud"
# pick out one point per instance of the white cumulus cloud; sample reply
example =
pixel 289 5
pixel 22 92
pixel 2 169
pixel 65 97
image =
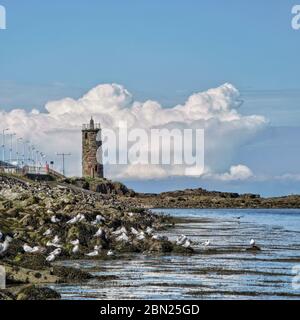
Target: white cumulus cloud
pixel 216 111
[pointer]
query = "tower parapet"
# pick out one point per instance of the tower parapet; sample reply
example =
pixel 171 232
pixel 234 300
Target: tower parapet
pixel 91 142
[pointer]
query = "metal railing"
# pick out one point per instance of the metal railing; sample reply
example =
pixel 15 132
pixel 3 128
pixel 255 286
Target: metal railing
pixel 97 126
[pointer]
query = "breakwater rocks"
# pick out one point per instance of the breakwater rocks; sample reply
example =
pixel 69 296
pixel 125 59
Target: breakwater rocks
pixel 42 222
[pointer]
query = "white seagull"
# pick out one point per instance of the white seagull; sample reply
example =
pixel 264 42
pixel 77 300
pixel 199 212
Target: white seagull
pixel 141 236
pixel 187 244
pixel 181 240
pixel 93 253
pixel 54 219
pixel 51 258
pixel 134 231
pixel 5 245
pixel 252 242
pixel 120 231
pixel 110 253
pixel 206 243
pixel 149 231
pixel 75 249
pixel 75 242
pixel 123 237
pixel 47 233
pixel 99 219
pixel 99 233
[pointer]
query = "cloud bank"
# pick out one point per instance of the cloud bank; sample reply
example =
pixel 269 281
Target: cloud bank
pixel 216 110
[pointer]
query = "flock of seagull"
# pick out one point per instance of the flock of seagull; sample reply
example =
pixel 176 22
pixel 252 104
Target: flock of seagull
pixel 121 235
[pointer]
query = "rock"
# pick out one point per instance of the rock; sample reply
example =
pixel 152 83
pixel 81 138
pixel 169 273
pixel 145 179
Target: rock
pixel 35 293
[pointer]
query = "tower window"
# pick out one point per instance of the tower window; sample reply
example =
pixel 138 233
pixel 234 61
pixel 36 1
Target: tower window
pixel 85 136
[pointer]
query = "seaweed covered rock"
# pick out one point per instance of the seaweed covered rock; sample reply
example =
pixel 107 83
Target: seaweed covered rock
pixel 35 293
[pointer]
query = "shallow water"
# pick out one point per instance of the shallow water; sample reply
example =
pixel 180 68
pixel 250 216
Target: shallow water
pixel 225 270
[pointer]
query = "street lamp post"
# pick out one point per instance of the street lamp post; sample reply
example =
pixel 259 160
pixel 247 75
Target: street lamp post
pixel 3 143
pixel 18 154
pixel 11 147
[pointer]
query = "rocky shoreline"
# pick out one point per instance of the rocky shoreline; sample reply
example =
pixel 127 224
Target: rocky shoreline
pixel 43 222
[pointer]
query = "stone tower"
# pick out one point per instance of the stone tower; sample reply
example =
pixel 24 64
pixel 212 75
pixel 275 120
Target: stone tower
pixel 90 145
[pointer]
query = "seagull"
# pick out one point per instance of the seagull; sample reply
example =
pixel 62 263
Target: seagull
pixel 120 231
pixel 27 248
pixel 54 219
pixel 93 253
pixel 73 220
pixel 110 253
pixel 123 237
pixel 206 243
pixel 99 233
pixel 75 249
pixel 5 245
pixel 149 231
pixel 99 219
pixel 80 217
pixel 156 237
pixel 141 236
pixel 187 244
pixel 56 252
pixel 252 242
pixel 134 231
pixel 54 243
pixel 56 240
pixel 181 240
pixel 75 242
pixel 51 258
pixel 47 232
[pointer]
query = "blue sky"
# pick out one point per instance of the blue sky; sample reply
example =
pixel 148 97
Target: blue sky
pixel 163 50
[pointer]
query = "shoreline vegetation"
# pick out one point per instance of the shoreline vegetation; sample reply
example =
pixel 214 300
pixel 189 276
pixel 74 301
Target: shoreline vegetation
pixel 78 218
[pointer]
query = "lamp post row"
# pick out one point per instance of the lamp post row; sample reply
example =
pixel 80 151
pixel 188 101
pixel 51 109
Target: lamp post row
pixel 34 156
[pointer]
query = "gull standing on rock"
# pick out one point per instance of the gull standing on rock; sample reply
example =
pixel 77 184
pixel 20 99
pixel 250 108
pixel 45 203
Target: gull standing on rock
pixel 54 219
pixel 47 233
pixel 134 231
pixel 95 252
pixel 123 237
pixel 181 240
pixel 5 245
pixel 110 253
pixel 99 219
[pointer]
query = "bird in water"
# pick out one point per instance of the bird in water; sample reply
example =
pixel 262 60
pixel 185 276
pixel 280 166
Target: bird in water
pixel 253 246
pixel 206 243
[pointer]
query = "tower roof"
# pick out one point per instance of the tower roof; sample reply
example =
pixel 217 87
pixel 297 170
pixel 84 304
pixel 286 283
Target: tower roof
pixel 91 125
